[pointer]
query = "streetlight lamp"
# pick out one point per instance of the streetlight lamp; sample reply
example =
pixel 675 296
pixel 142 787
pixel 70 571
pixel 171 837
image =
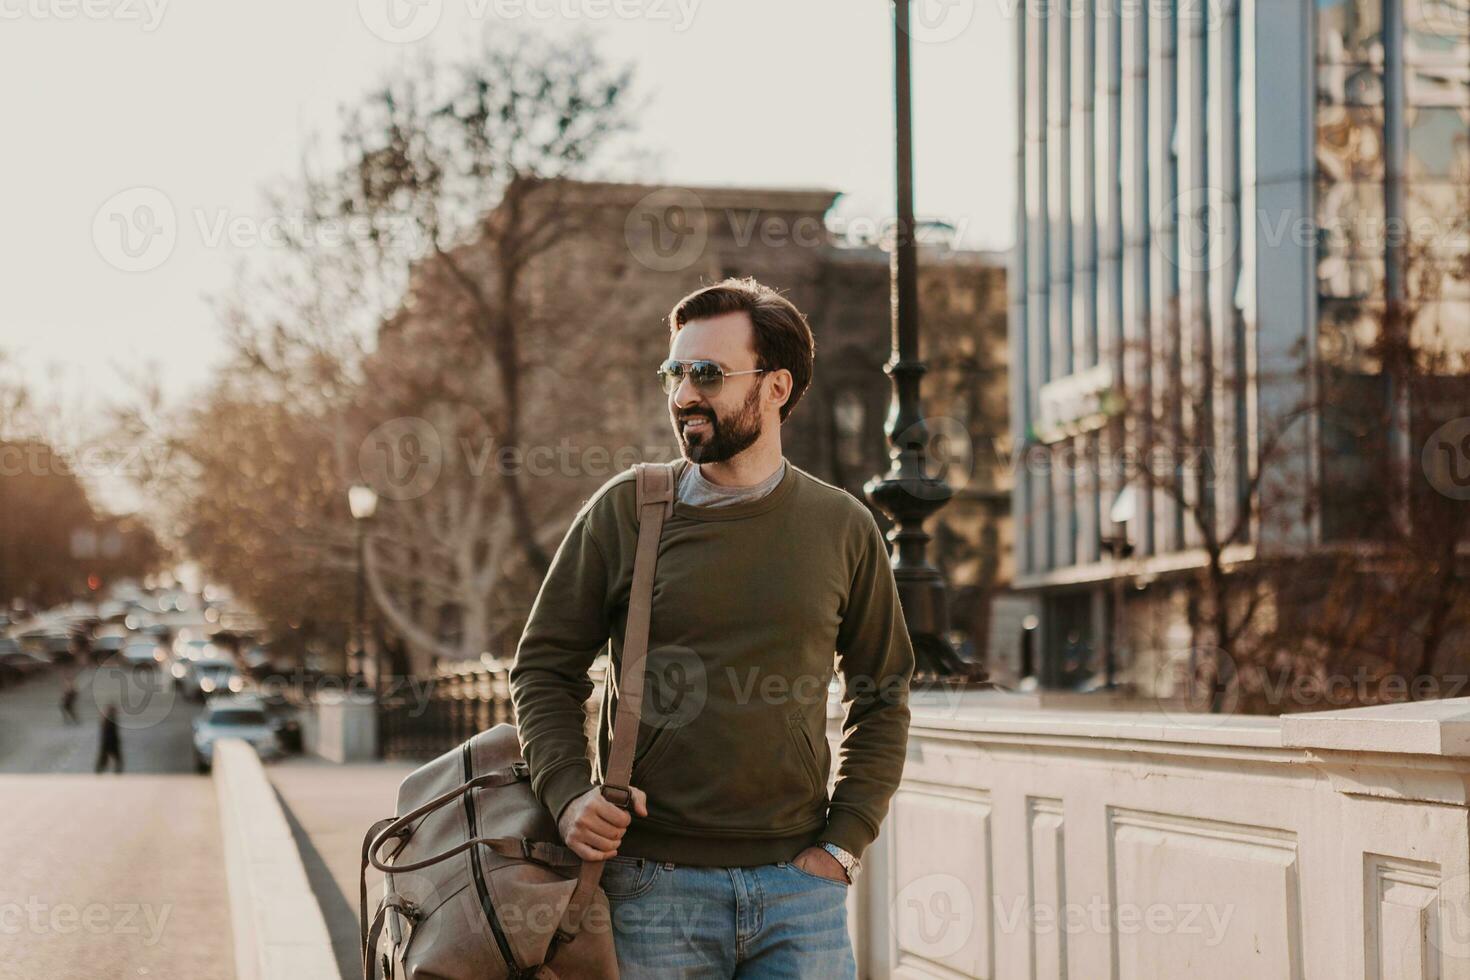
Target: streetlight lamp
pixel 907 493
pixel 363 502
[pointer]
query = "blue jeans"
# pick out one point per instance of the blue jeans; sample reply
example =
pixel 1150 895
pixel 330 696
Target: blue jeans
pixel 770 920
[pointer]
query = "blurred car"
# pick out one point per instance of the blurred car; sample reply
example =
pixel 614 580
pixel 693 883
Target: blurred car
pixel 194 649
pixel 16 664
pixel 215 676
pixel 108 646
pixel 143 655
pixel 242 717
pixel 283 719
pixel 186 653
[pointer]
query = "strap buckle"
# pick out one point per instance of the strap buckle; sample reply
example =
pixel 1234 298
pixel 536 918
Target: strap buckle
pixel 609 793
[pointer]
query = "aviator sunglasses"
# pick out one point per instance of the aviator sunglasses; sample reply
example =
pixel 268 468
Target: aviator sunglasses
pixel 706 376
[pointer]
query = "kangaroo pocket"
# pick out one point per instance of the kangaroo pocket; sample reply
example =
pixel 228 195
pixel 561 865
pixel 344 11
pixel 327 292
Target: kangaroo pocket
pixel 746 773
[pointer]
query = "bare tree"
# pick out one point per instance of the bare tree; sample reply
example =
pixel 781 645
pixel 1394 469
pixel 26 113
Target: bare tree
pixel 1383 595
pixel 397 299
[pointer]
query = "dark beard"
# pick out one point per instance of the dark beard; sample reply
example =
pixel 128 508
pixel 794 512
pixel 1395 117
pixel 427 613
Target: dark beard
pixel 726 438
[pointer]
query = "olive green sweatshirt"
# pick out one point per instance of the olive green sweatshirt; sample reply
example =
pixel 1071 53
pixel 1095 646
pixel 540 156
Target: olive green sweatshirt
pixel 754 605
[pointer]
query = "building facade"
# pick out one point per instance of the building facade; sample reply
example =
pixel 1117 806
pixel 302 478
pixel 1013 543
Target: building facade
pixel 594 304
pixel 1216 203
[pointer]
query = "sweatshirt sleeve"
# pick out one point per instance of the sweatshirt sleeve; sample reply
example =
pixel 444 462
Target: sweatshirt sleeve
pixel 876 660
pixel 549 682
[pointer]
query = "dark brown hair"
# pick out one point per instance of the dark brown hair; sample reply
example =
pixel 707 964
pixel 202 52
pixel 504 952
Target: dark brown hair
pixel 782 337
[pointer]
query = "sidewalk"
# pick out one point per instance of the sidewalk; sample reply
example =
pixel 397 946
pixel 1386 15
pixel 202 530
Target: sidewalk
pixel 112 876
pixel 330 807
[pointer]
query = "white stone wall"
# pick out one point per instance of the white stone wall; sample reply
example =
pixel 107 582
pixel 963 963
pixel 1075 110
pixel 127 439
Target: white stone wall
pixel 1034 843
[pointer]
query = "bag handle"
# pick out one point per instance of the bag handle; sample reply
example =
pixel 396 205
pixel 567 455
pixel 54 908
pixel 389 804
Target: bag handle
pixel 655 502
pixel 542 852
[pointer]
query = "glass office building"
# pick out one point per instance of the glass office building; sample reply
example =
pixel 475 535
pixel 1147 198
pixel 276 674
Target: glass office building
pixel 1216 199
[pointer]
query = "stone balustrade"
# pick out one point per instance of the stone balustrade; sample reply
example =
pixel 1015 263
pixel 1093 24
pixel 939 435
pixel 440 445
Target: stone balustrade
pixel 1036 843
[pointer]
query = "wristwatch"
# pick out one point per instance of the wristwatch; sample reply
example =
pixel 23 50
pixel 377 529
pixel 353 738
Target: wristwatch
pixel 849 863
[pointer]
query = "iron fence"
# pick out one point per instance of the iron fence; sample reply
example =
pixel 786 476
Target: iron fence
pixel 422 721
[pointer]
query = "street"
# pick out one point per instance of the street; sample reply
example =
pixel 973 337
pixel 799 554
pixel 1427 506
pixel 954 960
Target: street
pixel 107 875
pixel 153 721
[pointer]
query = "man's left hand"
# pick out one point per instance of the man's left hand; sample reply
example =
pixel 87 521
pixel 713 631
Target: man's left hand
pixel 817 861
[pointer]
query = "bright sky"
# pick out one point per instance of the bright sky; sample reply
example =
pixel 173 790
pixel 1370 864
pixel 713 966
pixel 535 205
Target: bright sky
pixel 195 106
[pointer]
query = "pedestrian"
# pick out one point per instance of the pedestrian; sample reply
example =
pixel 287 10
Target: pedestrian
pixel 729 857
pixel 110 746
pixel 69 697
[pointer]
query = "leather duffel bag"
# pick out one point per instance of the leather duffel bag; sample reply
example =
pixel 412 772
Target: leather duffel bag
pixel 477 883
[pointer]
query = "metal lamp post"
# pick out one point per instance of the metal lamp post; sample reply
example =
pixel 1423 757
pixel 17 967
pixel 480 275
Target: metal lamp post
pixel 363 502
pixel 907 493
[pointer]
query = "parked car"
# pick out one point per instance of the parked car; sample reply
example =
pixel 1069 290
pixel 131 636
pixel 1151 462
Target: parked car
pixel 240 717
pixel 283 718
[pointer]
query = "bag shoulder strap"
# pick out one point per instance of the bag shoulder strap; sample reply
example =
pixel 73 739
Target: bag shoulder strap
pixel 655 501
